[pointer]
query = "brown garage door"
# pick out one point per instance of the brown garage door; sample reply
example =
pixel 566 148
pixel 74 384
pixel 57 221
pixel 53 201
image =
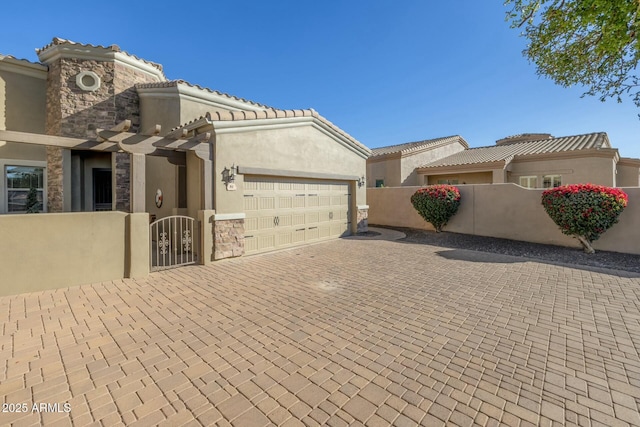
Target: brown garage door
pixel 282 212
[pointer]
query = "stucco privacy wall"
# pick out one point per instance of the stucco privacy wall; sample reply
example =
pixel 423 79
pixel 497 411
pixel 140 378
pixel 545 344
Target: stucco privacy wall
pixel 50 251
pixel 506 211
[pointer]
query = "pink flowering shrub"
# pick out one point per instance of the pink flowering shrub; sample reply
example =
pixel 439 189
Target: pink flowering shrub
pixel 584 211
pixel 437 204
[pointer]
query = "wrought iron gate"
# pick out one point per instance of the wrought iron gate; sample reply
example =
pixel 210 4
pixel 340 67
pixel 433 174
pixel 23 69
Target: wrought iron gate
pixel 172 242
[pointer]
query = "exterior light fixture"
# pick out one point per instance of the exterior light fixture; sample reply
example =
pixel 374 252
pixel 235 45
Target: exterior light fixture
pixel 361 181
pixel 229 175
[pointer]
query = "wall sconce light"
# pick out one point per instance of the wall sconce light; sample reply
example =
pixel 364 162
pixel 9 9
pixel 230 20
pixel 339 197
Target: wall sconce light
pixel 361 181
pixel 229 175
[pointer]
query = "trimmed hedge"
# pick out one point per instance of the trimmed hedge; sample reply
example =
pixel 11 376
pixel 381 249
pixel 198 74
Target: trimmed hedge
pixel 584 211
pixel 437 204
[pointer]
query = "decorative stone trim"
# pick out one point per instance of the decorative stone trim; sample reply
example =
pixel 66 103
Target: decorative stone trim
pixel 363 219
pixel 227 217
pixel 88 81
pixel 228 238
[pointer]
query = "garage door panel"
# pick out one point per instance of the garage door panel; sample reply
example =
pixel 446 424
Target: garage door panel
pixel 267 203
pixel 250 203
pixel 266 242
pixel 250 244
pixel 324 231
pixel 266 223
pixel 262 185
pixel 251 224
pixel 297 219
pixel 285 220
pixel 282 212
pixel 284 238
pixel 298 201
pixel 311 233
pixel 285 202
pixel 297 236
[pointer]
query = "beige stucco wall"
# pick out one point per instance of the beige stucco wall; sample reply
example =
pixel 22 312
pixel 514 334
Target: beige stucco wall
pixel 408 174
pixel 169 107
pixel 161 174
pixel 49 251
pixel 467 178
pixel 303 149
pixel 163 111
pixel 388 169
pixel 505 211
pixel 574 170
pixel 628 175
pixel 22 98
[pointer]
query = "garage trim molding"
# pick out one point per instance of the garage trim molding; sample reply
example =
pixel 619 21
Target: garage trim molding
pixel 294 174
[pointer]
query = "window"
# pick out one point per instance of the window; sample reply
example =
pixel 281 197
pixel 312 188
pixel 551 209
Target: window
pixel 20 179
pixel 550 181
pixel 529 181
pixel 379 182
pixel 448 181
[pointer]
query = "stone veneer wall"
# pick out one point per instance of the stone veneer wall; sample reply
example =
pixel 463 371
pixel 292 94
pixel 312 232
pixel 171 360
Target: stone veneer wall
pixel 363 220
pixel 228 238
pixel 74 112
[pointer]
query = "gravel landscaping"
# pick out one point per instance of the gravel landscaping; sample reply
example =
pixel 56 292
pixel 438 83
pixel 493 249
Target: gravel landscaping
pixel 550 253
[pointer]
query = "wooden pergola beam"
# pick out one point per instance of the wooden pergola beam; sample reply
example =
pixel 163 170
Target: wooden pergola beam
pixel 56 141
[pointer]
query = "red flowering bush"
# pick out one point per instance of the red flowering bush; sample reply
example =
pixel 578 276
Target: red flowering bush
pixel 584 211
pixel 437 204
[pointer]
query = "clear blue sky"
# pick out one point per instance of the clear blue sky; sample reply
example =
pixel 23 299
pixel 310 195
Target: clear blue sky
pixel 386 72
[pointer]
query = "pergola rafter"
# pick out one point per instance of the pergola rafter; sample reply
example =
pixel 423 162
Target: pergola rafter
pixel 194 136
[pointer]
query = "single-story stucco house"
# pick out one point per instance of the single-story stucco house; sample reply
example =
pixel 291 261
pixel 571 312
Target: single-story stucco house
pixel 530 160
pixel 395 165
pixel 537 161
pixel 93 128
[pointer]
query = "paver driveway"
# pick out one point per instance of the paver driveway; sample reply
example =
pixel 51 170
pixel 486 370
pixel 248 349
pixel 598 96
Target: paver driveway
pixel 345 332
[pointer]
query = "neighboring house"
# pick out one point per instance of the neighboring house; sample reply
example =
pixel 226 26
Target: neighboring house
pixel 536 161
pixel 94 128
pixel 395 165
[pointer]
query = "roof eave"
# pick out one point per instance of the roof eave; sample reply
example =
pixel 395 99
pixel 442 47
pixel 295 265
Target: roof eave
pixel 468 167
pixel 54 52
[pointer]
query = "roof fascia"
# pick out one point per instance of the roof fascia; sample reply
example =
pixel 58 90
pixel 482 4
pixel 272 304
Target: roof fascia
pixel 23 67
pixel 201 96
pixel 96 53
pixel 590 152
pixel 629 161
pixel 469 167
pixel 428 147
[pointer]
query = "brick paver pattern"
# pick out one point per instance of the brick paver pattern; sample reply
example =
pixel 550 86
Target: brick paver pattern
pixel 341 333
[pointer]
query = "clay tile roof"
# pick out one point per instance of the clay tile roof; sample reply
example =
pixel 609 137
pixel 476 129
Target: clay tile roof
pixel 273 113
pixel 115 48
pixel 174 83
pixel 418 145
pixel 504 152
pixel 19 59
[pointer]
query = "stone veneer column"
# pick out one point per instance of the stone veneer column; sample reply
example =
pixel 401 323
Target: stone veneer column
pixel 74 112
pixel 121 181
pixel 363 219
pixel 228 238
